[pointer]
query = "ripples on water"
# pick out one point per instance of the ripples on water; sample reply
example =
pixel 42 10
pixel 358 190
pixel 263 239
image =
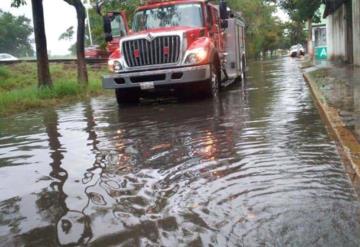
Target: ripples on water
pixel 250 169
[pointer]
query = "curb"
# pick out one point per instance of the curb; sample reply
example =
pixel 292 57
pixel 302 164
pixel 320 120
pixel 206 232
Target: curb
pixel 349 145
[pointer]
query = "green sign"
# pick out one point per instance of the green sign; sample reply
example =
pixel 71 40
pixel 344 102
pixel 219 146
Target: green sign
pixel 321 52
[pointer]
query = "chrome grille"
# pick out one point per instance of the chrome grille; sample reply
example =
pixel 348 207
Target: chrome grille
pixel 161 50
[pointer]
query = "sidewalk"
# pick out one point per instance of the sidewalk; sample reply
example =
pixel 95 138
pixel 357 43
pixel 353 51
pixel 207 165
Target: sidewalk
pixel 336 88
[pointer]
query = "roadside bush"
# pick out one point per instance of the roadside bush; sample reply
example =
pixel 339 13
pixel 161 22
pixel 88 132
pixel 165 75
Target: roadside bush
pixel 19 91
pixel 4 73
pixel 67 88
pixel 60 90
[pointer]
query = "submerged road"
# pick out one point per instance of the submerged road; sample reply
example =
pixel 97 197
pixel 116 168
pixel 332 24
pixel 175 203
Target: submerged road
pixel 250 169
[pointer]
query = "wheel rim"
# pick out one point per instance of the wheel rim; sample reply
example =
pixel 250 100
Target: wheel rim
pixel 214 84
pixel 243 72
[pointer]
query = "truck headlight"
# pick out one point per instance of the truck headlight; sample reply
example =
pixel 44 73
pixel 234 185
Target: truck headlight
pixel 117 67
pixel 195 56
pixel 114 65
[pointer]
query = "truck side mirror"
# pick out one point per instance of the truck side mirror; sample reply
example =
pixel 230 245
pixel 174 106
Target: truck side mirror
pixel 107 28
pixel 224 24
pixel 108 37
pixel 224 14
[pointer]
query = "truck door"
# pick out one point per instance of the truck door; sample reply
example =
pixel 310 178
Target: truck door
pixel 239 48
pixel 118 25
pixel 214 28
pixel 115 27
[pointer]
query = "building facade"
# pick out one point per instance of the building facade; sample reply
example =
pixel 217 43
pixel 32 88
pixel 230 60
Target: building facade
pixel 356 30
pixel 343 30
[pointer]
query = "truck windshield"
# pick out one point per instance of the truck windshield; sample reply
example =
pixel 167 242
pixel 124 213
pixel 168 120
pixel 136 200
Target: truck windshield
pixel 189 15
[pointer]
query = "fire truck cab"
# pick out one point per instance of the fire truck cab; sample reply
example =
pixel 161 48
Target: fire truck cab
pixel 187 46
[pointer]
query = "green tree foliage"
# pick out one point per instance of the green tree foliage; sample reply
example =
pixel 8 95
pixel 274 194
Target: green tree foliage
pixel 68 34
pixel 17 3
pixel 263 31
pixel 14 35
pixel 302 10
pixel 128 6
pixel 294 33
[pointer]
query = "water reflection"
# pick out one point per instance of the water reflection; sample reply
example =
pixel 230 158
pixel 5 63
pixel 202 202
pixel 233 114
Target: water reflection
pixel 248 169
pixel 136 178
pixel 74 226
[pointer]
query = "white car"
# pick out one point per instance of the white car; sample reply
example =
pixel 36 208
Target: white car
pixel 297 50
pixel 7 57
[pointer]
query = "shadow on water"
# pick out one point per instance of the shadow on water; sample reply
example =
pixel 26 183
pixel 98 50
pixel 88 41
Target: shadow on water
pixel 246 169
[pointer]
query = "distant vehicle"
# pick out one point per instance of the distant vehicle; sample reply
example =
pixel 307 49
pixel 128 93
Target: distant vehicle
pixel 95 51
pixel 7 57
pixel 297 50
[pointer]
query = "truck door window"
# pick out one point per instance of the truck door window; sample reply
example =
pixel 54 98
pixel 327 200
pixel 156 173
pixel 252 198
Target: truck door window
pixel 240 35
pixel 118 27
pixel 215 17
pixel 209 16
pixel 243 35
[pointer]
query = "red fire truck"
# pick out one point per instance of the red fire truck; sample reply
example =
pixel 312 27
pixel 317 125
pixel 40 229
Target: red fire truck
pixel 186 46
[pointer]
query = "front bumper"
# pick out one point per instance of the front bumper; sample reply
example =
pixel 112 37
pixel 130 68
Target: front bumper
pixel 163 77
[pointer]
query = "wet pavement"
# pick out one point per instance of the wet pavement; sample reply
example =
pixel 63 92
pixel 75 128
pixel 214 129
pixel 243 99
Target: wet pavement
pixel 250 169
pixel 340 85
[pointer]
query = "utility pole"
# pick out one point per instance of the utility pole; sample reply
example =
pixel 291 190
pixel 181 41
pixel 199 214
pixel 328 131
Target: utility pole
pixel 87 7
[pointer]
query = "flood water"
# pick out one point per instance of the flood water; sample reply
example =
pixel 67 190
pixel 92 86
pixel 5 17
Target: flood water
pixel 251 169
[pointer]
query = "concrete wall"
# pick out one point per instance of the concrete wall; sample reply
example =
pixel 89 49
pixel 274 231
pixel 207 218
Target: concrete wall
pixel 336 34
pixel 357 108
pixel 356 30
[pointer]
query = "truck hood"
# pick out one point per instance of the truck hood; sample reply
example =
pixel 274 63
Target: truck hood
pixel 184 29
pixel 190 33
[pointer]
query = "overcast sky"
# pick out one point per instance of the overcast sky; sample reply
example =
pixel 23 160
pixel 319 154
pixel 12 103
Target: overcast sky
pixel 58 17
pixel 282 15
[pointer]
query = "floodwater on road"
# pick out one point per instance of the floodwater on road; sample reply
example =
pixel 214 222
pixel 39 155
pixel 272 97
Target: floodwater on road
pixel 250 169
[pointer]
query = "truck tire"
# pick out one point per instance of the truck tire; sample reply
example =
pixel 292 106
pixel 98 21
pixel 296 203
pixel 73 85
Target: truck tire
pixel 242 77
pixel 213 86
pixel 243 72
pixel 126 96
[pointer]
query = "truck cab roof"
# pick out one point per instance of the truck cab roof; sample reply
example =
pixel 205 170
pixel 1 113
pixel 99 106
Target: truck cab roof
pixel 159 3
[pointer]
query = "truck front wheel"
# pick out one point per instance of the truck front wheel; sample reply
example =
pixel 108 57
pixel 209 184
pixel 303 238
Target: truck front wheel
pixel 126 96
pixel 243 72
pixel 213 87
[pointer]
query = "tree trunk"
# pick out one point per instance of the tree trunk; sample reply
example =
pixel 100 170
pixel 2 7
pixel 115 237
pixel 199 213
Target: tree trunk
pixel 80 41
pixel 310 47
pixel 43 71
pixel 80 45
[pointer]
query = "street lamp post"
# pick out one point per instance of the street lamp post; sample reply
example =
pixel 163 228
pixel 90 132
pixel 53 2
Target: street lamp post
pixel 87 6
